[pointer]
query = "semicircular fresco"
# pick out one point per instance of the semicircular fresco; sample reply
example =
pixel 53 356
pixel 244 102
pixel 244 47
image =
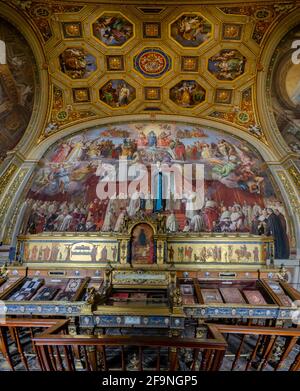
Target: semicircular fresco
pixel 64 195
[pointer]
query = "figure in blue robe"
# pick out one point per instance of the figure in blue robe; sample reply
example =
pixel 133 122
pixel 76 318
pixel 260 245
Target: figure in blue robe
pixel 158 200
pixel 142 241
pixel 152 139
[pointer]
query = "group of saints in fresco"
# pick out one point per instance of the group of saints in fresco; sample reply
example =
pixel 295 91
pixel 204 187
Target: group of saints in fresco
pixel 239 196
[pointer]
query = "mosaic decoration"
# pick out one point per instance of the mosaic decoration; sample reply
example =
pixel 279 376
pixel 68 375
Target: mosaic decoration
pixel 232 32
pixel 191 30
pixel 223 96
pixel 237 186
pixel 152 93
pixel 117 93
pixel 151 30
pixel 228 64
pixel 283 89
pixel 81 95
pixel 152 62
pixel 17 85
pixel 77 63
pixel 115 63
pixel 113 29
pixel 72 29
pixel 187 93
pixel 189 63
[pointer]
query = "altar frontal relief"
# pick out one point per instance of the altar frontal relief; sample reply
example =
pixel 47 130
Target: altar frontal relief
pixel 216 251
pixel 238 193
pixel 69 250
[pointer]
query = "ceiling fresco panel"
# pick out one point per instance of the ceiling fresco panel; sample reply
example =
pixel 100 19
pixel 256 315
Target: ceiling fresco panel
pixel 153 49
pixel 117 93
pixel 191 30
pixel 77 63
pixel 113 29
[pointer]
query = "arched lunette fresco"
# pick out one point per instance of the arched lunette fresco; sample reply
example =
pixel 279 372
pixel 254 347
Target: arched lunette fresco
pixel 238 193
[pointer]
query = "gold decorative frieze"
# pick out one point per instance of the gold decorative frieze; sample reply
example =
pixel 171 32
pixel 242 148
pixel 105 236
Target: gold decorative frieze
pixel 4 207
pixel 5 178
pixel 294 173
pixel 294 199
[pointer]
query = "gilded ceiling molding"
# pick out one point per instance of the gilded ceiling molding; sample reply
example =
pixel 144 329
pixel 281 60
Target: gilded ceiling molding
pixel 149 3
pixel 294 173
pixel 263 16
pixel 63 114
pixel 152 61
pixel 16 216
pixel 244 115
pixel 41 14
pixel 293 197
pixel 40 107
pixel 6 177
pixel 11 192
pixel 263 99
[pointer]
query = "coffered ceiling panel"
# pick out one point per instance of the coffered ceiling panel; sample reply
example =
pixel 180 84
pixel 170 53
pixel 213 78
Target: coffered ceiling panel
pixel 106 59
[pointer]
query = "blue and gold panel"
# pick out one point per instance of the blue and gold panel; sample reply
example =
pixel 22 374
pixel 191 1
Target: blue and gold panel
pixel 132 321
pixel 152 62
pixel 27 308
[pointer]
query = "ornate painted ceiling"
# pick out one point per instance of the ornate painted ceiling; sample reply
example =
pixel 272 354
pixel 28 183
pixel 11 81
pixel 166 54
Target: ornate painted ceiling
pixel 102 62
pixel 109 60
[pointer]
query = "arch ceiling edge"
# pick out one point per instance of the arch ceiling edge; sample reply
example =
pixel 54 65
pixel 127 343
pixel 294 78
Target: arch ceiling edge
pixel 263 108
pixel 40 107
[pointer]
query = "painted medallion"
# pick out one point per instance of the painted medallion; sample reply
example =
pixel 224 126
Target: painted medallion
pixel 152 62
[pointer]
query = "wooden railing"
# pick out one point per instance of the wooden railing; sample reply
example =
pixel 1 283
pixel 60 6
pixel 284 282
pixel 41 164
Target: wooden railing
pixel 268 346
pixel 245 348
pixel 92 353
pixel 15 334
